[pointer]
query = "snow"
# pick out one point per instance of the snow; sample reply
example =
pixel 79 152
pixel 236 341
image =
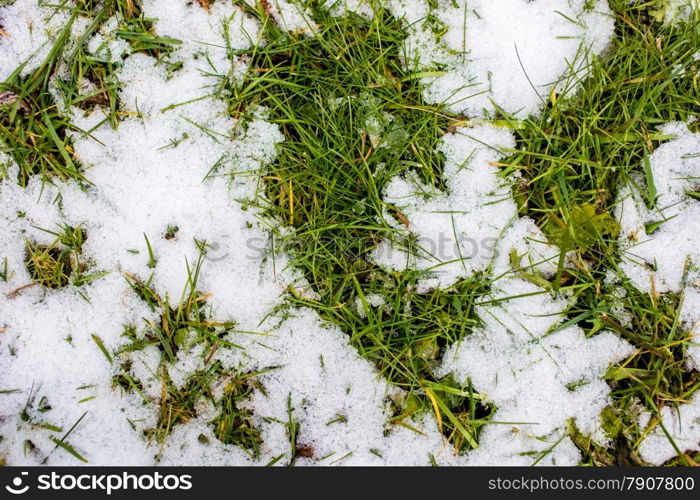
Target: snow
pixel 291 16
pixel 106 45
pixel 340 7
pixel 452 235
pixel 455 231
pixel 680 10
pixel 31 31
pixel 666 260
pixel 507 55
pixel 373 300
pixel 326 379
pixel 47 349
pixel 537 375
pixel 683 425
pixel 177 159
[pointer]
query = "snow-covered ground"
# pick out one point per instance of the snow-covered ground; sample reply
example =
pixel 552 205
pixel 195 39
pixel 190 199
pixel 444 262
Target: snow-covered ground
pixel 168 164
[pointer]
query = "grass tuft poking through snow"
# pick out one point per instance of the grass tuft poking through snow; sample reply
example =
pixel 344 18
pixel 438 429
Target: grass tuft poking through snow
pixel 575 159
pixel 364 121
pixel 32 129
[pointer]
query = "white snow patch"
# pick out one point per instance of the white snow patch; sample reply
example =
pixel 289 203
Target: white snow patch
pixel 292 16
pixel 106 45
pixel 680 10
pixel 373 300
pixel 29 34
pixel 537 375
pixel 509 54
pixel 683 425
pixel 454 234
pixel 340 7
pixel 668 259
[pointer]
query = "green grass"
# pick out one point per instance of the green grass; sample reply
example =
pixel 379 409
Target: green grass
pixel 353 118
pixel 34 127
pixel 184 325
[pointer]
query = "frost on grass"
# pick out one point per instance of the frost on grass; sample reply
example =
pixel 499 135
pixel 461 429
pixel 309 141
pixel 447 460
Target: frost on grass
pixel 658 212
pixel 479 57
pixel 541 375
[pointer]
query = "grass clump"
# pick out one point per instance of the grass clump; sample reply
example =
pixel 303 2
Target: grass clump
pixel 233 425
pixel 353 118
pixel 60 263
pixel 182 327
pixel 32 129
pixel 48 265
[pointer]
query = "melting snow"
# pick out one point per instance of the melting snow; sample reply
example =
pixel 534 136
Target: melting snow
pixel 507 55
pixel 168 164
pixel 660 246
pixel 683 426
